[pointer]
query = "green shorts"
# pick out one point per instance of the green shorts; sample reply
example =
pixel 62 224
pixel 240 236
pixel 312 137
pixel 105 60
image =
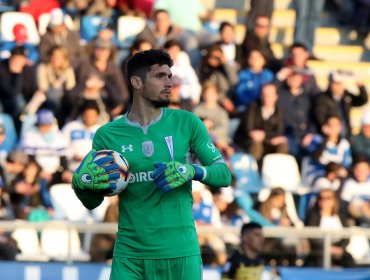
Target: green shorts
pixel 184 268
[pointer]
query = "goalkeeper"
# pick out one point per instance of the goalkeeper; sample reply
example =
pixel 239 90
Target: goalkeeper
pixel 156 237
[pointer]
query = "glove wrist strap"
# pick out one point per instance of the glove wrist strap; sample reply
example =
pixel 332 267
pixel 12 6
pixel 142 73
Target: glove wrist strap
pixel 200 172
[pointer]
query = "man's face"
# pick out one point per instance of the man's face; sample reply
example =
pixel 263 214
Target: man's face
pixel 269 96
pixel 299 56
pixel 254 239
pixel 366 130
pixel 162 22
pixel 361 171
pixel 262 27
pixel 90 117
pixel 333 127
pixel 228 35
pixel 157 86
pixel 102 54
pixel 337 88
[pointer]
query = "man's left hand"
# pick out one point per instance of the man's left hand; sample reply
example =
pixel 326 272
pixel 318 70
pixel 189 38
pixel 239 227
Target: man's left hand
pixel 170 175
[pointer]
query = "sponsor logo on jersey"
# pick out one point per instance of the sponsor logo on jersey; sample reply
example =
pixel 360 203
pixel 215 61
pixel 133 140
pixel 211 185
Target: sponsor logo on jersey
pixel 211 146
pixel 147 148
pixel 129 148
pixel 140 177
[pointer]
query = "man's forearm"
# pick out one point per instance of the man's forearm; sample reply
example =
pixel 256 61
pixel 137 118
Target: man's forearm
pixel 89 199
pixel 217 175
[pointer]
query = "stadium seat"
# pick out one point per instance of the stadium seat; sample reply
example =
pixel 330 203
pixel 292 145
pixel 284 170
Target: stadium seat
pixel 282 4
pixel 29 244
pixel 239 33
pixel 282 36
pixel 225 14
pixel 278 50
pixel 9 19
pixel 90 26
pixel 343 53
pixel 283 18
pixel 245 169
pixel 44 22
pixel 359 248
pixel 57 242
pixel 235 4
pixel 127 29
pixel 68 206
pixel 327 36
pixel 281 170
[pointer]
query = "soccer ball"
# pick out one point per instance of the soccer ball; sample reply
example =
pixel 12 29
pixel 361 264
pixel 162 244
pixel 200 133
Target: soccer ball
pixel 124 169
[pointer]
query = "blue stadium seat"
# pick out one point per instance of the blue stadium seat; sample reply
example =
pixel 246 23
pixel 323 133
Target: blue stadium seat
pixel 244 168
pixel 90 26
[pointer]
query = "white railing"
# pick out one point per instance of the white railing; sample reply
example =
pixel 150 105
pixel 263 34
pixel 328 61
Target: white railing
pixel 278 232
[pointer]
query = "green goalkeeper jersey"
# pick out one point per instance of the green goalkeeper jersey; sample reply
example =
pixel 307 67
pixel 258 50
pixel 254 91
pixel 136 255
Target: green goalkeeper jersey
pixel 153 224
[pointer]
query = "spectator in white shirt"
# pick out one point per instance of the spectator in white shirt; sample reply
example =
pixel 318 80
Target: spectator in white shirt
pixel 79 133
pixel 356 192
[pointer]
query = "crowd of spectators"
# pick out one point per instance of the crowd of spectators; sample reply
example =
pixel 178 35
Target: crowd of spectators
pixel 55 95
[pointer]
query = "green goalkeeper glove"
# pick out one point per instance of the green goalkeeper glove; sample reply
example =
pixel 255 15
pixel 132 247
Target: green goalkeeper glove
pixel 92 175
pixel 170 175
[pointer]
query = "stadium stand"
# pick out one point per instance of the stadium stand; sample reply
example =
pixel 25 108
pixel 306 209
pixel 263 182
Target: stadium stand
pixel 333 50
pixel 9 19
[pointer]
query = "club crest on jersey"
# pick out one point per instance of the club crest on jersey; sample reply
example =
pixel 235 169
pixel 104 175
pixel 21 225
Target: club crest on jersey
pixel 147 148
pixel 127 148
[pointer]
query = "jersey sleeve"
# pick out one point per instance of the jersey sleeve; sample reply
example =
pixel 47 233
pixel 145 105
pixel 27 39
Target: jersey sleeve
pixel 217 174
pixel 89 199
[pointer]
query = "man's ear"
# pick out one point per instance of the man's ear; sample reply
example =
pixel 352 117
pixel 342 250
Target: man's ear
pixel 136 82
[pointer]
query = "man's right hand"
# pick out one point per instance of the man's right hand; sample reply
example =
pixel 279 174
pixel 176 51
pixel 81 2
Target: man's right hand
pixel 93 176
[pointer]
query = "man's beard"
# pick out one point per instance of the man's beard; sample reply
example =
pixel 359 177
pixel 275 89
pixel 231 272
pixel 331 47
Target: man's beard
pixel 160 103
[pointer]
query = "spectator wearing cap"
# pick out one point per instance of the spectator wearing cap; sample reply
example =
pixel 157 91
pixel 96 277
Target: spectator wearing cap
pixel 20 33
pixel 101 64
pixel 17 84
pixel 336 100
pixel 45 144
pixel 360 142
pixel 58 34
pixel 106 32
pixel 15 163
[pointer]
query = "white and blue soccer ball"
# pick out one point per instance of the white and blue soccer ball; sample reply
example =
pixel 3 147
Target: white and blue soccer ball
pixel 123 169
